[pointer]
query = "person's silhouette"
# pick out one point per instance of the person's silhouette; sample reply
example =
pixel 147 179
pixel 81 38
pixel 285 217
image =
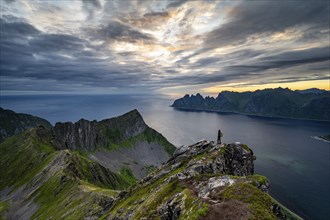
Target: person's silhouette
pixel 219 137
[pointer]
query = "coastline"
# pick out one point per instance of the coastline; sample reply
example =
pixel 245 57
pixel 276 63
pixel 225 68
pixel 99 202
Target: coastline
pixel 247 114
pixel 289 213
pixel 320 138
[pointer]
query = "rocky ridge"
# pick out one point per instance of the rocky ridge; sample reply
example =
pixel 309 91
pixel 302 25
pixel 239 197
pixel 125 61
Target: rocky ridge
pixel 66 172
pixel 38 182
pixel 201 181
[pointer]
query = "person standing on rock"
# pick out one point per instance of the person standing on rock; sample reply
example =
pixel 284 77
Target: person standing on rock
pixel 219 137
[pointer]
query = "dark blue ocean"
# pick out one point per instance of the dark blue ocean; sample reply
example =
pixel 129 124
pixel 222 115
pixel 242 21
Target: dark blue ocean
pixel 296 164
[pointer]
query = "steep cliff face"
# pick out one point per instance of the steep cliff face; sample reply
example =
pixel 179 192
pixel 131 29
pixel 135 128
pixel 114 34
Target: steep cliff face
pixel 12 123
pixel 116 143
pixel 89 135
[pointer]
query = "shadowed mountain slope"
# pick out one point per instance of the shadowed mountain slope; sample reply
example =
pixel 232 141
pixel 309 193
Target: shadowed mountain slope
pixel 12 123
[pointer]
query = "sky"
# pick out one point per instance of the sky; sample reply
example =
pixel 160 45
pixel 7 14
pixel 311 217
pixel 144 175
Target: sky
pixel 162 47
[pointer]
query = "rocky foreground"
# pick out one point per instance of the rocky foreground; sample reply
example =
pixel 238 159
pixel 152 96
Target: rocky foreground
pixel 201 181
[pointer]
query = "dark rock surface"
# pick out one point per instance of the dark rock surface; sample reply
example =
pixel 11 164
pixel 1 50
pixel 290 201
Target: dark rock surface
pixel 233 159
pixel 171 209
pixel 238 160
pixel 88 135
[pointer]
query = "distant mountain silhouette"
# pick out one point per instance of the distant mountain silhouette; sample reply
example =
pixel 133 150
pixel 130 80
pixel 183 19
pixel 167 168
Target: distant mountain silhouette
pixel 306 104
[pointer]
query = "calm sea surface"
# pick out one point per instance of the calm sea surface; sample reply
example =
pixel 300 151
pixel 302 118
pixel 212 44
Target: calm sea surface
pixel 296 164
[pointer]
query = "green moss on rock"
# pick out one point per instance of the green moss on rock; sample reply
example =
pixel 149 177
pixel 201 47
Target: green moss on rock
pixel 259 203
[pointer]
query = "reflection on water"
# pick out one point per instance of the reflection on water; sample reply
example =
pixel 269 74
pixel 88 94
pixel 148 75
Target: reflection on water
pixel 296 164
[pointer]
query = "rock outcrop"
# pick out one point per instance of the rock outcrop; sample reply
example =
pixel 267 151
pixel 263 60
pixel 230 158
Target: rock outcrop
pixel 201 181
pixel 123 141
pixel 233 159
pixel 88 135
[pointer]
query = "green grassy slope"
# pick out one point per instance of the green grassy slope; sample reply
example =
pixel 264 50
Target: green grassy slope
pixel 63 184
pixel 24 155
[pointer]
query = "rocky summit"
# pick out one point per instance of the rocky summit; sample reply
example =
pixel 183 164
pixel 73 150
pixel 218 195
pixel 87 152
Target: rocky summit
pixel 201 181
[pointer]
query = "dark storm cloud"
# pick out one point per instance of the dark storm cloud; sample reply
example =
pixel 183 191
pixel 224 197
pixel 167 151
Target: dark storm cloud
pixel 38 56
pixel 293 58
pixel 259 66
pixel 206 61
pixel 21 41
pixel 225 59
pixel 283 60
pixel 252 18
pixel 201 78
pixel 14 43
pixel 16 29
pixel 116 30
pixel 156 14
pixel 176 3
pixel 56 42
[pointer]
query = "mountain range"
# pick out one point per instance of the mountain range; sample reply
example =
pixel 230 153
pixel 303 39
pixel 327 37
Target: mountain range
pixel 120 168
pixel 304 104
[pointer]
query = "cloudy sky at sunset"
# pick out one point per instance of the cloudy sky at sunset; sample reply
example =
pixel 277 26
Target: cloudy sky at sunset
pixel 168 47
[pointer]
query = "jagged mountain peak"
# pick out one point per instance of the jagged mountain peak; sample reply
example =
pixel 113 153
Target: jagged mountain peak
pixel 90 135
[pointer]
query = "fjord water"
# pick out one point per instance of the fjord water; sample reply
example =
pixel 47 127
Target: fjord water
pixel 296 164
